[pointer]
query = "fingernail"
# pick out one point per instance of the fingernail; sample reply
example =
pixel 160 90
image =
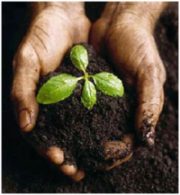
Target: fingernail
pixel 25 120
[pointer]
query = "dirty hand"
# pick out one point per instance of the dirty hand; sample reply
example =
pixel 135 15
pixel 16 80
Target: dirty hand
pixel 125 31
pixel 53 30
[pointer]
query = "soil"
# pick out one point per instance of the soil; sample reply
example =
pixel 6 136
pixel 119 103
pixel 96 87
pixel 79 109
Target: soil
pixel 154 170
pixel 80 132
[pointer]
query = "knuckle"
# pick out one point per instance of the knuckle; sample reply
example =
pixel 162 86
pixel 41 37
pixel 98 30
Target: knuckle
pixel 25 56
pixel 155 71
pixel 150 70
pixel 16 95
pixel 24 53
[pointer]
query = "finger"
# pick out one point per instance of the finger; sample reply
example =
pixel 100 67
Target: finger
pixel 118 149
pixel 26 75
pixel 151 99
pixel 118 152
pixel 68 169
pixel 72 171
pixel 78 176
pixel 55 155
pixel 115 150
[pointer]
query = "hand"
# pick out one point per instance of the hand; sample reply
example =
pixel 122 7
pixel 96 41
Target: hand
pixel 53 30
pixel 125 31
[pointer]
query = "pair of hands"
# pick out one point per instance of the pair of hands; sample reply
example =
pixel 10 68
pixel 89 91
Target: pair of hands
pixel 124 31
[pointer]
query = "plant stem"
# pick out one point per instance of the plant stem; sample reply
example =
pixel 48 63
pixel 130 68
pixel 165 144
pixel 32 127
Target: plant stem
pixel 86 75
pixel 80 78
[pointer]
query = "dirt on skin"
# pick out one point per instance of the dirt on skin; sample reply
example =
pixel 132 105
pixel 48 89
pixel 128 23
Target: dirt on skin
pixel 80 132
pixel 154 170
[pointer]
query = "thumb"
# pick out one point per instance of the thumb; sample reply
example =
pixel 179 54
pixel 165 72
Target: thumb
pixel 150 100
pixel 26 75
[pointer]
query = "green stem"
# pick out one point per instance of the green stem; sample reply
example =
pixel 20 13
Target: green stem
pixel 80 78
pixel 86 76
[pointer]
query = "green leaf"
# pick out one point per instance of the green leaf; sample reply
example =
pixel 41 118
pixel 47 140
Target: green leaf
pixel 88 94
pixel 57 89
pixel 109 84
pixel 79 57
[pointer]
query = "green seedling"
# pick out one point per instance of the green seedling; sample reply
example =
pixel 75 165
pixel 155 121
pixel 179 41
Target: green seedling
pixel 60 87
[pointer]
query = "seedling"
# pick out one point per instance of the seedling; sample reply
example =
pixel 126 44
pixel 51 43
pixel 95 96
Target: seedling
pixel 60 87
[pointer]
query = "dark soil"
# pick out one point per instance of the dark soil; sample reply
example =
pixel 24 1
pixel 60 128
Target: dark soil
pixel 80 132
pixel 154 170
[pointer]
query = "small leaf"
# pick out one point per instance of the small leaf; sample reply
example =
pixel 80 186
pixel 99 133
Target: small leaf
pixel 79 57
pixel 57 89
pixel 109 84
pixel 88 94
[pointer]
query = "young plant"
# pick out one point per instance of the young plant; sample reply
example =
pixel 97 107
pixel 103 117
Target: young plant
pixel 60 87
